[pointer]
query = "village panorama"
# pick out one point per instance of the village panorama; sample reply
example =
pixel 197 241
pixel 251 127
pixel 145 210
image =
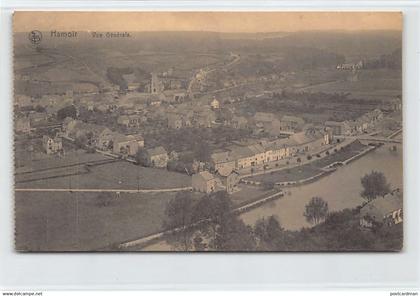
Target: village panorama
pixel 207 141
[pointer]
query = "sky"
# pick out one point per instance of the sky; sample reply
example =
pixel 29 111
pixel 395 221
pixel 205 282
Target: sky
pixel 235 22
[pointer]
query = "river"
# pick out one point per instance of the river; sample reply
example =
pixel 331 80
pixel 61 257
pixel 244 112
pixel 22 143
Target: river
pixel 341 189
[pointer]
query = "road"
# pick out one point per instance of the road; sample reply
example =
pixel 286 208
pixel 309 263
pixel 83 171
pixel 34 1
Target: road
pixel 236 59
pixel 188 188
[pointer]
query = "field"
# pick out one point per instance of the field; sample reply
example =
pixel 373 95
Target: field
pixel 28 161
pixel 113 175
pixel 368 84
pixel 85 221
pixel 55 71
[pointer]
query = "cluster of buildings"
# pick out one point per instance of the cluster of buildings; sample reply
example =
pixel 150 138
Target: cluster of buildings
pixel 271 124
pixel 351 66
pixel 52 145
pixel 208 182
pixel 190 115
pixel 223 173
pixel 353 127
pixel 387 210
pixel 102 138
pixel 235 157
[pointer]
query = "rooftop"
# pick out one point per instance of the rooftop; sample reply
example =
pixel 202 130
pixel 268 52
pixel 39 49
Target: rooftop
pixel 156 151
pixel 206 175
pixel 382 206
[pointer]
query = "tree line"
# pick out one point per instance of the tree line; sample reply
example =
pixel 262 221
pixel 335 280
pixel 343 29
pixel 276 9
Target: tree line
pixel 210 224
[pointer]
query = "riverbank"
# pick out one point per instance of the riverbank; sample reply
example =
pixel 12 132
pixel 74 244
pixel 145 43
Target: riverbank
pixel 311 172
pixel 340 190
pixel 345 155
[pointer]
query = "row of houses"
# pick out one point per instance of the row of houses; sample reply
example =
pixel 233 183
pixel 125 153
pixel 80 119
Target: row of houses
pixel 207 182
pixel 205 116
pixel 245 156
pixel 358 126
pixel 102 137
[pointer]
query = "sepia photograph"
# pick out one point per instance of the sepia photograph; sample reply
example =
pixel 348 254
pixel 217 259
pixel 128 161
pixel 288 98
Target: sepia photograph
pixel 208 131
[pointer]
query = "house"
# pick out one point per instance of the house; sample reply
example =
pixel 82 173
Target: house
pixel 338 128
pixel 215 104
pixel 392 105
pixel 222 161
pixel 52 145
pixel 276 150
pixel 132 81
pixel 179 117
pixel 203 117
pixel 22 125
pixel 228 179
pixel 156 84
pixel 351 66
pixel 129 120
pixel 23 101
pixel 310 139
pixel 366 121
pixel 267 122
pixel 258 152
pixel 172 96
pixel 106 140
pixel 53 103
pixel 239 122
pixel 157 157
pixel 92 133
pixel 175 121
pixel 204 182
pixel 127 145
pixel 37 118
pixel 386 210
pixel 243 156
pixel 291 123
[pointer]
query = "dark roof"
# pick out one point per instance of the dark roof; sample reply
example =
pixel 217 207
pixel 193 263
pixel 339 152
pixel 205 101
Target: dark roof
pixel 156 151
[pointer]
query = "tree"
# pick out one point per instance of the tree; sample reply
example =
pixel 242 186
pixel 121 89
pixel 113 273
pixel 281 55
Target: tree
pixel 81 141
pixel 268 231
pixel 39 109
pixel 268 185
pixel 141 157
pixel 216 209
pixel 179 218
pixel 374 185
pixel 234 235
pixel 202 151
pixel 316 210
pixel 68 111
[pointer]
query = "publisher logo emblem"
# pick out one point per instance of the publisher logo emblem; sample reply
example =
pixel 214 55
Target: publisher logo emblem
pixel 35 37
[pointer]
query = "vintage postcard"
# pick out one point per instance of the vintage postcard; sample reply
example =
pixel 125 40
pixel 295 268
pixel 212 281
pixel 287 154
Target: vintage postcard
pixel 208 131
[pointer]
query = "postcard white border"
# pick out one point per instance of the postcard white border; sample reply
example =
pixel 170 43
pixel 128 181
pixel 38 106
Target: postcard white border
pixel 216 271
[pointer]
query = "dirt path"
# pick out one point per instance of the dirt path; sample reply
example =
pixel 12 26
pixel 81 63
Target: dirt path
pixel 188 188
